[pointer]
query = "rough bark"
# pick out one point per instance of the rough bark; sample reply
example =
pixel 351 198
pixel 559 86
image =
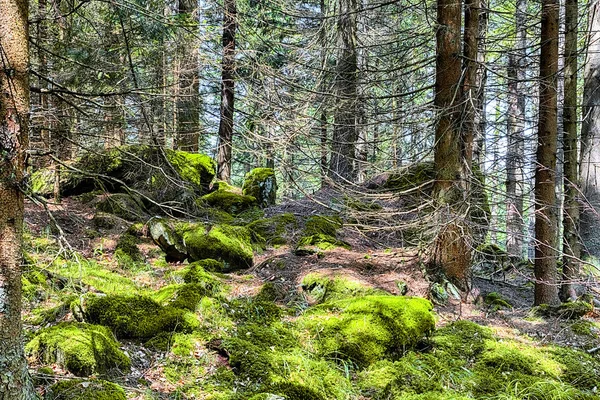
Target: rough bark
pixel 15 383
pixel 480 82
pixel 227 92
pixel 469 87
pixel 590 141
pixel 345 133
pixel 515 224
pixel 546 290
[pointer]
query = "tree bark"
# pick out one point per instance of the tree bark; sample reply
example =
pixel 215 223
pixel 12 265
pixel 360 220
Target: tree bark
pixel 227 92
pixel 515 224
pixel 590 141
pixel 345 133
pixel 481 81
pixel 15 383
pixel 546 290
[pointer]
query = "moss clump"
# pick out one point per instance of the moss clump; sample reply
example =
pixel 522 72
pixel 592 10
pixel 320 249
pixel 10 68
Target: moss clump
pixel 271 292
pixel 296 391
pixel 324 288
pixel 320 234
pixel 230 244
pixel 82 349
pixel 197 169
pixel 196 272
pixel 272 231
pixel 33 283
pixel 261 184
pixel 586 328
pixel 253 310
pixel 137 316
pixel 127 251
pixel 164 236
pixel 569 310
pixel 227 198
pixel 366 329
pixel 462 340
pixel 85 390
pixel 496 301
pixel 124 205
pixel 188 296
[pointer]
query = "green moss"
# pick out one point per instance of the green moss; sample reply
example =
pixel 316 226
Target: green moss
pixel 261 184
pixel 229 202
pixel 586 328
pixel 253 310
pixel 33 283
pixel 165 236
pixel 463 340
pixel 188 296
pixel 320 234
pixel 324 288
pixel 198 169
pixel 273 231
pixel 296 391
pixel 364 330
pixel 271 292
pixel 578 368
pixel 42 182
pixel 85 390
pixel 196 272
pixel 495 300
pixel 46 316
pixel 138 316
pixel 230 244
pixel 124 205
pixel 569 310
pixel 82 349
pixel 127 251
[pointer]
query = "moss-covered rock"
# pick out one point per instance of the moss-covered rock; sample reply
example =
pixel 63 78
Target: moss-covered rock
pixel 496 301
pixel 196 272
pixel 127 251
pixel 137 316
pixel 569 310
pixel 319 234
pixel 366 329
pixel 102 220
pixel 324 288
pixel 82 349
pixel 273 231
pixel 197 169
pixel 128 206
pixel 261 184
pixel 227 198
pixel 85 390
pixel 164 236
pixel 226 243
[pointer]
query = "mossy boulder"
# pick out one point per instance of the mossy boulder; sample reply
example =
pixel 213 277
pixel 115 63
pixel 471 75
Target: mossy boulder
pixel 227 198
pixel 261 184
pixel 137 316
pixel 496 301
pixel 366 329
pixel 82 349
pixel 319 234
pixel 127 251
pixel 128 206
pixel 164 236
pixel 196 271
pixel 323 288
pixel 568 310
pixel 273 231
pixel 85 390
pixel 226 243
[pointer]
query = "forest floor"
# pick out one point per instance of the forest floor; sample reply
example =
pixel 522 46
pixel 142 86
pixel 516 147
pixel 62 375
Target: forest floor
pixel 372 263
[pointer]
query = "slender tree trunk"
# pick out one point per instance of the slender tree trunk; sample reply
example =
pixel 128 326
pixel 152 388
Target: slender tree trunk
pixel 469 87
pixel 590 141
pixel 571 249
pixel 323 89
pixel 15 383
pixel 227 92
pixel 344 131
pixel 546 290
pixel 481 81
pixel 515 156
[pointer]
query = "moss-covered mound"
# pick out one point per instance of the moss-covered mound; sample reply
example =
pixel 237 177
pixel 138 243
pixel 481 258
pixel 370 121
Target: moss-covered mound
pixel 226 243
pixel 273 231
pixel 82 349
pixel 261 184
pixel 127 251
pixel 137 316
pixel 196 272
pixel 320 234
pixel 164 236
pixel 323 288
pixel 85 390
pixel 366 329
pixel 227 198
pixel 128 206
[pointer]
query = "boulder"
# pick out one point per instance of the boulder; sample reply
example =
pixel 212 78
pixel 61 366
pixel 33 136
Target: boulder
pixel 261 184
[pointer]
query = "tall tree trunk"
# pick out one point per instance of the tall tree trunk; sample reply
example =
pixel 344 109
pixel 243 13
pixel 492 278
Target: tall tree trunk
pixel 15 383
pixel 323 89
pixel 344 131
pixel 515 224
pixel 571 249
pixel 227 92
pixel 469 87
pixel 590 140
pixel 188 107
pixel 546 291
pixel 452 248
pixel 481 81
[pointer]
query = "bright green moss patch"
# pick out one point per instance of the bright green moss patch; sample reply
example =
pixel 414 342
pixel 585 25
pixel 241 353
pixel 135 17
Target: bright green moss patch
pixel 138 316
pixel 198 169
pixel 320 234
pixel 586 328
pixel 196 271
pixel 82 349
pixel 324 288
pixel 463 340
pixel 228 199
pixel 261 184
pixel 496 301
pixel 273 231
pixel 127 251
pixel 85 390
pixel 569 310
pixel 367 329
pixel 230 244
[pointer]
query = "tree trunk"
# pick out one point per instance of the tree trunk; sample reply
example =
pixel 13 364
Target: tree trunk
pixel 15 383
pixel 469 87
pixel 590 141
pixel 227 92
pixel 452 248
pixel 515 156
pixel 546 291
pixel 481 81
pixel 344 131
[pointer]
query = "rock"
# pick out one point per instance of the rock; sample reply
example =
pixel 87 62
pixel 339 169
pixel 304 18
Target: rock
pixel 261 184
pixel 128 206
pixel 273 231
pixel 104 220
pixel 81 348
pixel 320 234
pixel 227 198
pixel 167 239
